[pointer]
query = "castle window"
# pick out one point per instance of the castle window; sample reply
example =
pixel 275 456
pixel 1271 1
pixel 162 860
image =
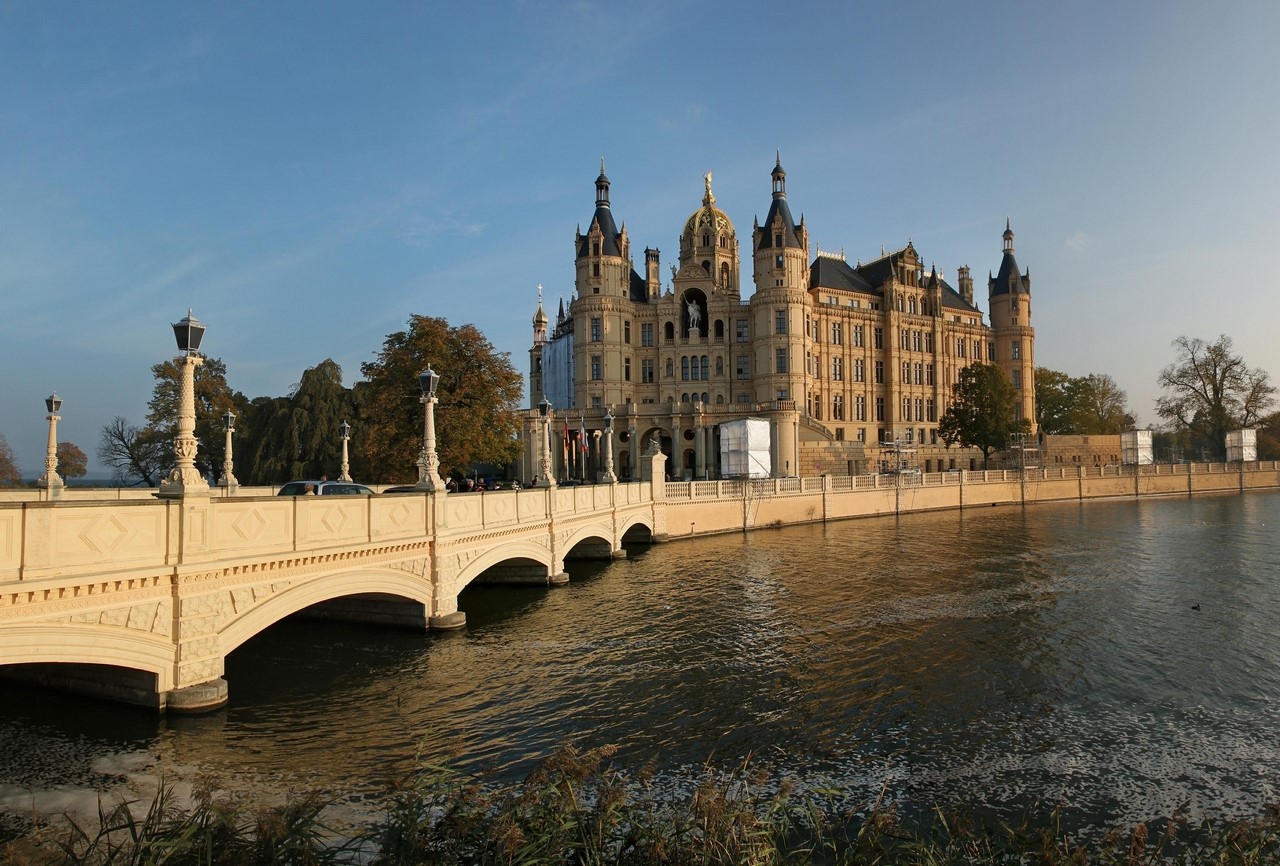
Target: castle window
pixel 928 374
pixel 595 270
pixel 837 333
pixel 596 329
pixel 779 321
pixel 777 242
pixel 1016 346
pixel 906 339
pixel 780 360
pixel 706 368
pixel 669 332
pixel 977 349
pixel 917 340
pixel 646 333
pixel 928 341
pixel 684 369
pixel 744 335
pixel 879 372
pixel 597 368
pixel 879 408
pixel 837 407
pixel 744 367
pixel 670 368
pixel 719 331
pixel 837 369
pixel 839 434
pixel 1017 379
pixel 743 398
pixel 920 414
pixel 706 240
pixel 857 335
pixel 931 414
pixel 597 402
pixel 859 370
pixel 862 434
pixel 879 335
pixel 777 262
pixel 626 332
pixel 595 248
pixel 860 408
pixel 646 370
pixel 626 369
pixel 911 306
pixel 918 368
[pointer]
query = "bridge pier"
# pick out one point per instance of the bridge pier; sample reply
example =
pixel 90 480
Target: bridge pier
pixel 201 698
pixel 447 621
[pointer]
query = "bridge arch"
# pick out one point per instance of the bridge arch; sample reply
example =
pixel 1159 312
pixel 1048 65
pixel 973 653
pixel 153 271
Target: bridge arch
pixel 504 553
pixel 91 644
pixel 340 584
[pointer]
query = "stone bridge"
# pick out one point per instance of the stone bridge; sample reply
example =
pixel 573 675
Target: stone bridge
pixel 138 599
pixel 141 599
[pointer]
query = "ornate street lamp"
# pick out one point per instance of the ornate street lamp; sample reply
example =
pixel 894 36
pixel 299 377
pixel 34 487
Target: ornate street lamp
pixel 428 462
pixel 185 479
pixel 51 480
pixel 344 430
pixel 546 478
pixel 608 477
pixel 228 477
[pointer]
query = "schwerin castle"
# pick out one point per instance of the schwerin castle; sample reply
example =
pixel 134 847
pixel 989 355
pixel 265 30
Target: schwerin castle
pixel 850 364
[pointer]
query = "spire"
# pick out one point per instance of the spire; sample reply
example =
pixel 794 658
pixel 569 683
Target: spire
pixel 602 187
pixel 1008 238
pixel 708 200
pixel 779 178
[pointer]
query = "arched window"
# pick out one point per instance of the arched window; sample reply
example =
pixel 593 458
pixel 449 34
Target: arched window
pixel 719 366
pixel 684 369
pixel 669 332
pixel 706 398
pixel 719 398
pixel 724 274
pixel 670 368
pixel 706 371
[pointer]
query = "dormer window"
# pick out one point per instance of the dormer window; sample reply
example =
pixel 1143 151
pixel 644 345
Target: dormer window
pixel 595 248
pixel 777 240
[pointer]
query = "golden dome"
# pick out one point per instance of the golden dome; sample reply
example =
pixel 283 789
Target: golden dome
pixel 708 218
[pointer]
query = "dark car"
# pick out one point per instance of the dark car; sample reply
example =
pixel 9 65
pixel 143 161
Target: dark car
pixel 324 488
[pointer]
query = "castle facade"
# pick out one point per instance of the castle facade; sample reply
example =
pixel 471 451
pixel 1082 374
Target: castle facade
pixel 848 363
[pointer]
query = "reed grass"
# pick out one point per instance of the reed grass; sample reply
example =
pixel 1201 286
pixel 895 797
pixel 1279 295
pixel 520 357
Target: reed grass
pixel 577 808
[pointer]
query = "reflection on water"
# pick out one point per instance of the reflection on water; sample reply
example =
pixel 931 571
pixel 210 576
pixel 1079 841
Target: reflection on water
pixel 991 659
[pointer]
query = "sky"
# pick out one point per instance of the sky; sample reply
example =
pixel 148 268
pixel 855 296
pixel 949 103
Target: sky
pixel 305 176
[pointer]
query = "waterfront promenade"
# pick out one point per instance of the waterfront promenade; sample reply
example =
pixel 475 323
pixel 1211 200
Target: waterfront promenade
pixel 120 594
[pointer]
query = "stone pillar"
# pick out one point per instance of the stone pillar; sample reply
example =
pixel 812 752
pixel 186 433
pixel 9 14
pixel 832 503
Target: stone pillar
pixel 677 447
pixel 699 448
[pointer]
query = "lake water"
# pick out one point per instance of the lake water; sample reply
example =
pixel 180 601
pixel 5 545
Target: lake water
pixel 1120 658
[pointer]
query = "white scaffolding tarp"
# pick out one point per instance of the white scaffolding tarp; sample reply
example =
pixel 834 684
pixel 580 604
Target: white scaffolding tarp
pixel 744 449
pixel 1135 448
pixel 1242 445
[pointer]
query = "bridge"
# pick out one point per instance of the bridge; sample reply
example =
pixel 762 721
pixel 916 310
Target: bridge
pixel 138 599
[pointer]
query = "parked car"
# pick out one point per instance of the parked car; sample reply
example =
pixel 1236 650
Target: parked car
pixel 324 488
pixel 404 488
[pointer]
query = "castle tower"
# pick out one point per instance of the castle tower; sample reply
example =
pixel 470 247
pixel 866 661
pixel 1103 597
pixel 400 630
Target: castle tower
pixel 781 310
pixel 1011 333
pixel 540 322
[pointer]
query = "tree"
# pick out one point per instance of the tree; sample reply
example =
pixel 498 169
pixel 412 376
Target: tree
pixel 1099 406
pixel 1054 401
pixel 1210 391
pixel 478 396
pixel 9 474
pixel 297 436
pixel 213 398
pixel 983 413
pixel 72 462
pixel 135 455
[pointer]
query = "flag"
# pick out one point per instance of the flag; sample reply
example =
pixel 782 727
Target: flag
pixel 582 433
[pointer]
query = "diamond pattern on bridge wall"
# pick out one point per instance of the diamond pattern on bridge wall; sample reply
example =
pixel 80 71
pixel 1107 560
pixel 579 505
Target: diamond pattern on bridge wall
pixel 334 519
pixel 399 514
pixel 104 534
pixel 249 525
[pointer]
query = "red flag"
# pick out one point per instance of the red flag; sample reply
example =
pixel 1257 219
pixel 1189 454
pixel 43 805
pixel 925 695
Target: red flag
pixel 582 434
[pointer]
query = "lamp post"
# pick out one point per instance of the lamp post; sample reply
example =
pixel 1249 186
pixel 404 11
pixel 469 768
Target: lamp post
pixel 51 480
pixel 185 479
pixel 546 477
pixel 429 463
pixel 608 477
pixel 228 477
pixel 344 429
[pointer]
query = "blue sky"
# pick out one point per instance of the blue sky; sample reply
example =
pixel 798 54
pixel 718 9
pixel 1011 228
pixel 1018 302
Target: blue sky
pixel 305 176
